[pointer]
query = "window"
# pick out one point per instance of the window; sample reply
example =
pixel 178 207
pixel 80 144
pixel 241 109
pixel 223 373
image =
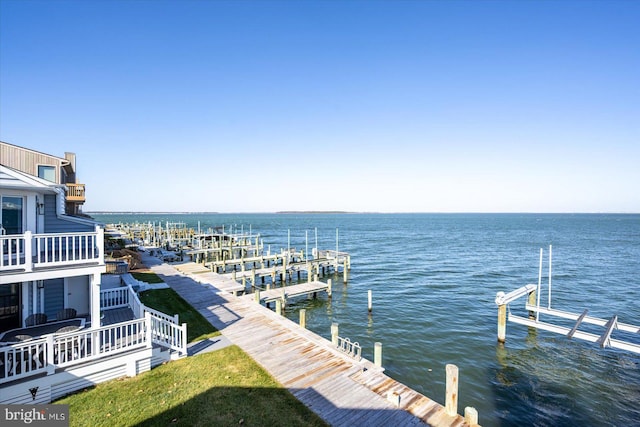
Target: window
pixel 47 172
pixel 11 215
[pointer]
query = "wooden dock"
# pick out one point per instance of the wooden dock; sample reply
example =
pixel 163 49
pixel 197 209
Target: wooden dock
pixel 340 389
pixel 287 292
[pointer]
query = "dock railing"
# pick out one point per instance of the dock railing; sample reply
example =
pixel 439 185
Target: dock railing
pixel 350 348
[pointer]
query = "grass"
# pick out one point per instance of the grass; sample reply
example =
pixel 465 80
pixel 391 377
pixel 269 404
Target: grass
pixel 169 302
pixel 148 277
pixel 222 388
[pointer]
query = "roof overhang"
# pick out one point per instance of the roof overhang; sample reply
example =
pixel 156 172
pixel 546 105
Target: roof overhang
pixel 14 179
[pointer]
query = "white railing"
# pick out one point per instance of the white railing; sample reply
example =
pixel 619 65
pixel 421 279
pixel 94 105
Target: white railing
pixel 165 329
pixel 114 298
pixel 11 251
pixel 44 355
pixel 28 251
pixel 23 360
pixel 168 334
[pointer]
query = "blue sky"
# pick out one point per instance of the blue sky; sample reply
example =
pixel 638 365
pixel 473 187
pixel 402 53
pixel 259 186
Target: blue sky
pixel 386 106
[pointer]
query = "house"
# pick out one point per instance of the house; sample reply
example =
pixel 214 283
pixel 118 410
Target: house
pixel 56 331
pixel 51 168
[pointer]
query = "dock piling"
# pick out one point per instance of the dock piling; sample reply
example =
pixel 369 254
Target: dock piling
pixel 303 318
pixel 377 354
pixel 531 300
pixel 502 323
pixel 334 334
pixel 451 398
pixel 370 297
pixel 471 416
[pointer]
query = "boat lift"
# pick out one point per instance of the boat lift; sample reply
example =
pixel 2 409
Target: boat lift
pixel 533 306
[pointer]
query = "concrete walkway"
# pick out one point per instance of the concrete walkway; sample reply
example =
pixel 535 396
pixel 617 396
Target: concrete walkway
pixel 341 390
pixel 208 345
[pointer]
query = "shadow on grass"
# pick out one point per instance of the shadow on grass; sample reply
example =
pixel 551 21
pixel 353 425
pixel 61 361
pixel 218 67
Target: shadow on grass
pixel 233 406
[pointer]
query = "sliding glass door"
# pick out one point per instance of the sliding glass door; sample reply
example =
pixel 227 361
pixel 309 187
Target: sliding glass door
pixel 12 214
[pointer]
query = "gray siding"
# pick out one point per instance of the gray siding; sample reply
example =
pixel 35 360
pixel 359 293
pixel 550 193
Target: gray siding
pixel 53 297
pixel 53 224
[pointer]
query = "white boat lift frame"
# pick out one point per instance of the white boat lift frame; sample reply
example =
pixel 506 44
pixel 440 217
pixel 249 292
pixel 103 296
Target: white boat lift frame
pixel 533 306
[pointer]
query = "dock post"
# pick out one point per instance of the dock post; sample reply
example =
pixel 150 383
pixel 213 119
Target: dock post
pixel 334 334
pixel 370 305
pixel 345 272
pixel 502 322
pixel 377 354
pixel 309 272
pixel 471 416
pixel 233 275
pixel 451 399
pixel 303 317
pixel 531 300
pixel 279 307
pixel 284 270
pixel 329 284
pixel 256 296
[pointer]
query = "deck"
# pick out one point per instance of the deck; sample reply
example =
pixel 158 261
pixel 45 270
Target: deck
pixel 340 389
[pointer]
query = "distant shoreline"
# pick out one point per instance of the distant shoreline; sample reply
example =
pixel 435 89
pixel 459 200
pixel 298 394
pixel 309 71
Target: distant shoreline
pixel 354 212
pixel 214 213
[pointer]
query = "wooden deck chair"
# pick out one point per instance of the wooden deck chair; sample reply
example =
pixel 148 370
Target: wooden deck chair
pixel 36 319
pixel 67 313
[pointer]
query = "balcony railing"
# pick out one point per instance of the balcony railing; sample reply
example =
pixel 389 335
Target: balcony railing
pixel 24 252
pixel 75 193
pixel 166 329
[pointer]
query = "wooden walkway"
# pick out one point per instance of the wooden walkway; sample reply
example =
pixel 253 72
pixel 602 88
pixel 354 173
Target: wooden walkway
pixel 341 390
pixel 204 276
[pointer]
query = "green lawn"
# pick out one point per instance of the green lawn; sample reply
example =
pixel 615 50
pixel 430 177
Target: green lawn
pixel 221 388
pixel 149 277
pixel 169 302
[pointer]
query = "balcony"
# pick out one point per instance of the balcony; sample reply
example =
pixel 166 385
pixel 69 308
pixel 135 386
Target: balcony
pixel 28 252
pixel 75 193
pixel 47 352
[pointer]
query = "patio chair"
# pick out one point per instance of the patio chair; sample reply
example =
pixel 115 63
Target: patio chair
pixel 36 319
pixel 67 313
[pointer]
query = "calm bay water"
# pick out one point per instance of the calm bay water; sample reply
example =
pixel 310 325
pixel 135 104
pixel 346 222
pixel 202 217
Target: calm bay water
pixel 434 279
